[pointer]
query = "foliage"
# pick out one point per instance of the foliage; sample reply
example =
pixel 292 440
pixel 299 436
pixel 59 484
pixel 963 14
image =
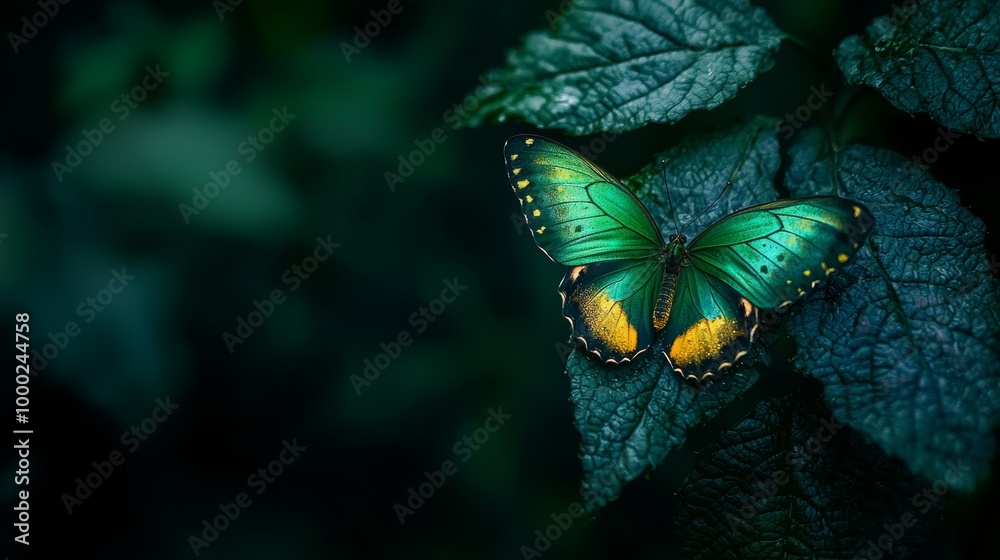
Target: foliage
pixel 903 341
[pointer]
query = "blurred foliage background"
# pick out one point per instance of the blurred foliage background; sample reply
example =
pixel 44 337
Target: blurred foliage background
pixel 323 175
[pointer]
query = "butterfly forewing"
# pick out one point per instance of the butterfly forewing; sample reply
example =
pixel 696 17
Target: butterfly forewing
pixel 578 213
pixel 773 253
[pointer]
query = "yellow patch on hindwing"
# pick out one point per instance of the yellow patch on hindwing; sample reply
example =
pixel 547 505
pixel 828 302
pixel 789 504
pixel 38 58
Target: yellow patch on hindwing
pixel 523 183
pixel 703 340
pixel 606 319
pixel 529 141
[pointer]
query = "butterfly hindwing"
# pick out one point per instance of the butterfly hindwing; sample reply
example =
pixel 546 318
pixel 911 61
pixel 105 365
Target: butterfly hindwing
pixel 773 253
pixel 610 306
pixel 578 213
pixel 710 326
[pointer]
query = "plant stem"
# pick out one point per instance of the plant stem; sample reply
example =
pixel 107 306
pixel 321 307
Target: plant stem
pixel 809 53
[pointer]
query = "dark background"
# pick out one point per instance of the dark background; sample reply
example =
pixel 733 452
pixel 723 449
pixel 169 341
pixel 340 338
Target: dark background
pixel 495 346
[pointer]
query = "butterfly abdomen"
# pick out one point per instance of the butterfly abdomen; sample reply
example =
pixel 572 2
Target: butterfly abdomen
pixel 663 303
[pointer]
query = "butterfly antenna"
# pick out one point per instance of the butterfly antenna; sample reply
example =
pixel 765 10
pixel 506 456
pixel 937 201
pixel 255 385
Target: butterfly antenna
pixel 673 209
pixel 707 208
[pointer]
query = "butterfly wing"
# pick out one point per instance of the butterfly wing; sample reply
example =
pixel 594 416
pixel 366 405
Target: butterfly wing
pixel 610 306
pixel 578 213
pixel 773 253
pixel 710 326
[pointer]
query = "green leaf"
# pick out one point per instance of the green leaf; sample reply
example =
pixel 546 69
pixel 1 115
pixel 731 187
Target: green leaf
pixel 613 65
pixel 698 170
pixel 907 343
pixel 940 57
pixel 790 481
pixel 631 420
pixel 631 416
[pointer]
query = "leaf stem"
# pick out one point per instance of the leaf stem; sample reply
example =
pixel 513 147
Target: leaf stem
pixel 843 107
pixel 809 53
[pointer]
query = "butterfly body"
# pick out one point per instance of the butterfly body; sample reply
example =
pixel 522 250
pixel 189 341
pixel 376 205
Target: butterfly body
pixel 626 285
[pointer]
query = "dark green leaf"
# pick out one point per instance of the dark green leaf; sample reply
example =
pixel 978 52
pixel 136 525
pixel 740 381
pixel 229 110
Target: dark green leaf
pixel 613 65
pixel 907 341
pixel 940 57
pixel 630 416
pixel 812 169
pixel 790 481
pixel 698 170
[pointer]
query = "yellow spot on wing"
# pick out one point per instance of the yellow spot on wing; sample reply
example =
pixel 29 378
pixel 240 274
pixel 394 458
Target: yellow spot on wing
pixel 560 173
pixel 842 258
pixel 607 321
pixel 529 141
pixel 516 170
pixel 857 211
pixel 513 157
pixel 522 183
pixel 703 341
pixel 806 273
pixel 536 213
pixel 540 230
pixel 575 272
pixel 528 198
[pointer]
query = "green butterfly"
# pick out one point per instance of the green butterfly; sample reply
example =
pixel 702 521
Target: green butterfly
pixel 626 284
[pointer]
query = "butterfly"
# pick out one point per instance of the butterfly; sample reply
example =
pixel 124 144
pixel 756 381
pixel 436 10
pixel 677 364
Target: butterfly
pixel 626 285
